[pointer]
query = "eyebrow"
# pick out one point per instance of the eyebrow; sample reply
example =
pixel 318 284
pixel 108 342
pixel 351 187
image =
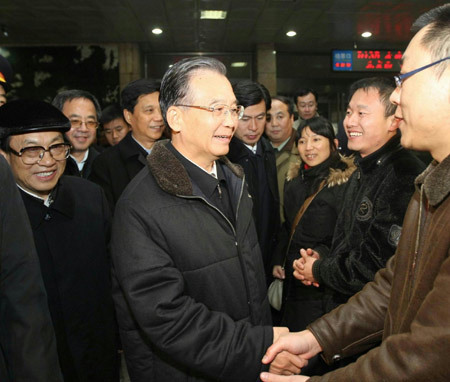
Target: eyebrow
pixel 79 116
pixel 33 141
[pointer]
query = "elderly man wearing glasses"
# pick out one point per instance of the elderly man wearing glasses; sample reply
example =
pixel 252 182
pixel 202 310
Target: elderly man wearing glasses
pixel 189 280
pixel 70 219
pixel 84 112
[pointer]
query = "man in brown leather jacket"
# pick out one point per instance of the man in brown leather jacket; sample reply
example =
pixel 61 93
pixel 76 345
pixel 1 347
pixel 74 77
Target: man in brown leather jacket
pixel 407 306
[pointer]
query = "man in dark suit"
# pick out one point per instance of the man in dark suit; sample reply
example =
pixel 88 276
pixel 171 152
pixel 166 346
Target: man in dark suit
pixel 84 112
pixel 255 154
pixel 116 166
pixel 27 339
pixel 70 220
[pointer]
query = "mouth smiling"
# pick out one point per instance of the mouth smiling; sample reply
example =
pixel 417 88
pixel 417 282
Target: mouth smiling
pixel 354 134
pixel 45 175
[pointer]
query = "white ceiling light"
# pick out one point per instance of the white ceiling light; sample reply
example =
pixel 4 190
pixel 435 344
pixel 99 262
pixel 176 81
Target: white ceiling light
pixel 366 34
pixel 157 31
pixel 213 14
pixel 238 64
pixel 291 33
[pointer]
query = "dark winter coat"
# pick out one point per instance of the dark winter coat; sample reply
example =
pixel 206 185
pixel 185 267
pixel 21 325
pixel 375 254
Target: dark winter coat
pixel 71 240
pixel 190 292
pixel 265 208
pixel 114 168
pixel 407 305
pixel 27 339
pixel 369 226
pixel 72 167
pixel 314 230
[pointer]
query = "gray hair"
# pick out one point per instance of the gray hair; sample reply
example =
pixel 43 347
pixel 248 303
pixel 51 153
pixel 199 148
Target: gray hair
pixel 175 83
pixel 69 95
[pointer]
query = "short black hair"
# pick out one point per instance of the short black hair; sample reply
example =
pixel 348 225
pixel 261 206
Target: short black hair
pixel 437 38
pixel 305 91
pixel 287 101
pixel 175 83
pixel 69 95
pixel 111 112
pixel 320 126
pixel 385 87
pixel 249 93
pixel 131 93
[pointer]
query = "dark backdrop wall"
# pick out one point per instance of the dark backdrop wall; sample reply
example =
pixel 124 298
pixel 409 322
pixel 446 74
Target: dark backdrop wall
pixel 42 72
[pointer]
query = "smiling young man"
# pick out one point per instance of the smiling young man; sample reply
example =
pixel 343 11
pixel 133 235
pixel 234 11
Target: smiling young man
pixel 70 220
pixel 189 280
pixel 254 153
pixel 114 168
pixel 377 195
pixel 404 314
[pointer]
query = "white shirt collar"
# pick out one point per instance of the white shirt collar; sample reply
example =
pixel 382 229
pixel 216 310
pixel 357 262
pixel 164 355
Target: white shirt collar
pixel 252 148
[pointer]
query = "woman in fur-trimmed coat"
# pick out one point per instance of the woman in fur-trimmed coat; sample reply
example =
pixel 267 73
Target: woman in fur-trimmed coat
pixel 320 161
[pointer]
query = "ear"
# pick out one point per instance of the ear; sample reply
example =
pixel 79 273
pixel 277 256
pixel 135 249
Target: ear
pixel 5 155
pixel 336 143
pixel 391 123
pixel 175 118
pixel 127 116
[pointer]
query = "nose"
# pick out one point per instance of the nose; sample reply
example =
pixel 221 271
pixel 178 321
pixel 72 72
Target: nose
pixel 47 159
pixel 229 121
pixel 115 135
pixel 308 145
pixel 158 115
pixel 395 96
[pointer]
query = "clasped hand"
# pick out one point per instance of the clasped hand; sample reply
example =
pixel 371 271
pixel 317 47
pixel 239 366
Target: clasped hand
pixel 303 267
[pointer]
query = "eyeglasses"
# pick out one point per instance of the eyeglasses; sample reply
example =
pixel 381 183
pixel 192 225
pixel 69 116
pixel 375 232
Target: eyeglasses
pixel 34 154
pixel 220 111
pixel 76 124
pixel 401 77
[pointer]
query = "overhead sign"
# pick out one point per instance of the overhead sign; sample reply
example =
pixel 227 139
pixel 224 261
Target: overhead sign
pixel 367 60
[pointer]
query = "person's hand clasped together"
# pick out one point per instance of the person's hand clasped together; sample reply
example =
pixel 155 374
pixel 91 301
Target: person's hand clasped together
pixel 303 267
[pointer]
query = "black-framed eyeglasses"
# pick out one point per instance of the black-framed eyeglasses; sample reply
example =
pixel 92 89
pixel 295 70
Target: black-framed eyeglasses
pixel 76 123
pixel 220 111
pixel 401 77
pixel 34 154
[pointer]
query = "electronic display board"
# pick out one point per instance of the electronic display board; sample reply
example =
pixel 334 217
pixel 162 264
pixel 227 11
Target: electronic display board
pixel 366 60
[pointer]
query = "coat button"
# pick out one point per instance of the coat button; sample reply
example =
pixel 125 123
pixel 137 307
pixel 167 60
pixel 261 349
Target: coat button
pixel 47 217
pixel 336 357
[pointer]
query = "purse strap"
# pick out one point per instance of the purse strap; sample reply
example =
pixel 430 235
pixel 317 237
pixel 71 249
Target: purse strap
pixel 300 213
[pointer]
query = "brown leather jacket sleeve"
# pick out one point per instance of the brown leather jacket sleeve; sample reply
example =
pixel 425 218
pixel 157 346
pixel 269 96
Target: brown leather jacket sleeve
pixel 412 356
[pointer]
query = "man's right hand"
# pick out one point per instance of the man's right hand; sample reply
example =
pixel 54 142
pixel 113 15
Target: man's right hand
pixel 303 344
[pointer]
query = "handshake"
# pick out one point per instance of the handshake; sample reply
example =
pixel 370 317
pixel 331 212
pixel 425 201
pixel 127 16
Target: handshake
pixel 288 354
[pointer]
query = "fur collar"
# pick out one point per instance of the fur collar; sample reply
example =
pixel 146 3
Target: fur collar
pixel 436 181
pixel 336 176
pixel 170 174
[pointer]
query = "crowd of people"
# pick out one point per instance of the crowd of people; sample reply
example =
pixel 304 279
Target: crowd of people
pixel 162 247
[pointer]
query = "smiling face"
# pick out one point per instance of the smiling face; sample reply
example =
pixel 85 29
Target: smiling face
pixel 251 126
pixel 365 124
pixel 82 137
pixel 146 120
pixel 279 123
pixel 313 148
pixel 198 134
pixel 39 178
pixel 423 103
